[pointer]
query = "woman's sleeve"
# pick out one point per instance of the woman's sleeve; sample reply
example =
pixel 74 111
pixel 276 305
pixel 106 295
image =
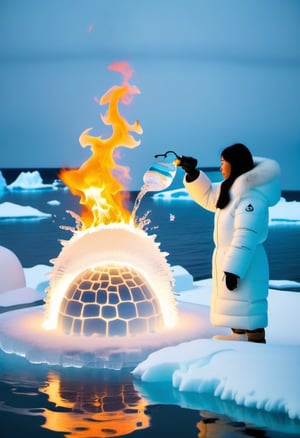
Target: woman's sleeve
pixel 203 191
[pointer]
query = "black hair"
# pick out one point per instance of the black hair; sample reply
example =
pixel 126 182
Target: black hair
pixel 241 161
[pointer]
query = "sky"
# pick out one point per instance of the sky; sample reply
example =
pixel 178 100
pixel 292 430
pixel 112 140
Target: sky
pixel 211 73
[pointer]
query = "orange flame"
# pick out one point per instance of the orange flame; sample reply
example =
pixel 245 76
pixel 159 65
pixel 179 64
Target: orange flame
pixel 95 182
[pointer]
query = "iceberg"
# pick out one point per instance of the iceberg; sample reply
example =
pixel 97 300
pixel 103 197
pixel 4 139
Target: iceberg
pixel 29 181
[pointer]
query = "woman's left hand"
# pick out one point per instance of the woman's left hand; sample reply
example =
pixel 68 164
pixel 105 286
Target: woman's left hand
pixel 231 280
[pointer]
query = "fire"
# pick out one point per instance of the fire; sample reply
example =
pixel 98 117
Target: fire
pixel 98 286
pixel 95 180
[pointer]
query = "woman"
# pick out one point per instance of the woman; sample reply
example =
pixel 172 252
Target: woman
pixel 240 270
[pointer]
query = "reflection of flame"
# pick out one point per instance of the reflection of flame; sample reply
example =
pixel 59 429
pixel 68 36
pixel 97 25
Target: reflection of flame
pixel 99 191
pixel 99 409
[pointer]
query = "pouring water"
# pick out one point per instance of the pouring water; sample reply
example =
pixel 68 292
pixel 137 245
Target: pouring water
pixel 158 177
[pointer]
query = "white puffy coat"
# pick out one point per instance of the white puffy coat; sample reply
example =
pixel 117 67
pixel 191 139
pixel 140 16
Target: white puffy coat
pixel 240 230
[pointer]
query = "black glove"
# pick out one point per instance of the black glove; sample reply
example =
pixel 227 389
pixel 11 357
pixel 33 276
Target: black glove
pixel 231 280
pixel 189 166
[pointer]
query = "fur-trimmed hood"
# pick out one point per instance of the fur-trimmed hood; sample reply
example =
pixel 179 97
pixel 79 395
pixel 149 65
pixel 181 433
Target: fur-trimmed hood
pixel 264 177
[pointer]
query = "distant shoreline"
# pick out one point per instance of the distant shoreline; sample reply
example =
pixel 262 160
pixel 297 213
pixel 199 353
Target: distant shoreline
pixel 49 174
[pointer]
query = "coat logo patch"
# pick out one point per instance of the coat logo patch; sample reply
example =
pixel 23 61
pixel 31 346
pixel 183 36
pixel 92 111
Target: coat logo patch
pixel 249 207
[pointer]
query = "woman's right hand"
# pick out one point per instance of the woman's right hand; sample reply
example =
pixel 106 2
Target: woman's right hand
pixel 189 166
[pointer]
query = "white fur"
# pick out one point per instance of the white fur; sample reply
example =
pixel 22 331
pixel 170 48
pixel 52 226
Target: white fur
pixel 264 177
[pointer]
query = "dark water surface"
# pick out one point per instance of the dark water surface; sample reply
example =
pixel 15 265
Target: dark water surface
pixel 39 401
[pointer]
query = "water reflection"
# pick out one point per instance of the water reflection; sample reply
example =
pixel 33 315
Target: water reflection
pixel 89 403
pixel 104 405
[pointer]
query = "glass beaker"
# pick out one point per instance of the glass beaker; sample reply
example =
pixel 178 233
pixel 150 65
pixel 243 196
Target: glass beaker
pixel 159 176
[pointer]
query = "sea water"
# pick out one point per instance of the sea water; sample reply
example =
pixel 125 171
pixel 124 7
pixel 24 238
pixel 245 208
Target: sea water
pixel 41 401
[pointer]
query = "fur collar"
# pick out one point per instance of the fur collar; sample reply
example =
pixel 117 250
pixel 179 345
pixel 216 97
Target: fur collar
pixel 263 177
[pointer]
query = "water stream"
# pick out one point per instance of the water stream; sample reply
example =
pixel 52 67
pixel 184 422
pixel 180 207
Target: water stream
pixel 158 177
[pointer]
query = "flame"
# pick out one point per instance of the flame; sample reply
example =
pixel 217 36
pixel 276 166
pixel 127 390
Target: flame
pixel 95 180
pixel 106 228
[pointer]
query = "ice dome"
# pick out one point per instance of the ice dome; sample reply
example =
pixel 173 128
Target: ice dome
pixel 110 301
pixel 11 271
